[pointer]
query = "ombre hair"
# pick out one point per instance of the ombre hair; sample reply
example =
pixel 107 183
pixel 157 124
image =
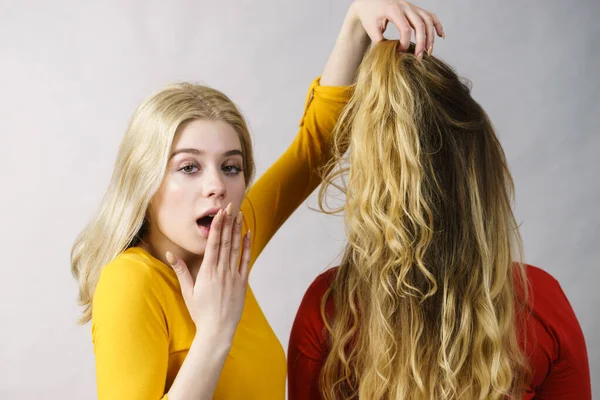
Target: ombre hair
pixel 140 167
pixel 428 297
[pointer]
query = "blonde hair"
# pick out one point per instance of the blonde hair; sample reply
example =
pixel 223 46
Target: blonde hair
pixel 139 170
pixel 427 295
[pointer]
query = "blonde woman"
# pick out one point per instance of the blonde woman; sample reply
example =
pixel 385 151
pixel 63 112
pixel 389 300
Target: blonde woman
pixel 430 300
pixel 183 171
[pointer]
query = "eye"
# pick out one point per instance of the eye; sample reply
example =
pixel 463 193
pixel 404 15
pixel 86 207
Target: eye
pixel 189 169
pixel 232 169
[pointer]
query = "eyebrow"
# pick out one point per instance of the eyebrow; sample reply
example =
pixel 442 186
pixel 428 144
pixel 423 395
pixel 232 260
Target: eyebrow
pixel 200 152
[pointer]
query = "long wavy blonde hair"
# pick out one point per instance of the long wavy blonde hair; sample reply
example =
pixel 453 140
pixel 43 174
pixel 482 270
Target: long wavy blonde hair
pixel 428 294
pixel 141 163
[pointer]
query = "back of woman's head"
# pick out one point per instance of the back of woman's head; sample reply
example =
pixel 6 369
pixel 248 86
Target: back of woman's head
pixel 425 295
pixel 139 170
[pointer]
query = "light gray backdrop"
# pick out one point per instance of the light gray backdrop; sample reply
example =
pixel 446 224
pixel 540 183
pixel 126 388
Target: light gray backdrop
pixel 72 72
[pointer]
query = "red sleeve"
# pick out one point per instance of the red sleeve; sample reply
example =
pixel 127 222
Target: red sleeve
pixel 559 356
pixel 308 342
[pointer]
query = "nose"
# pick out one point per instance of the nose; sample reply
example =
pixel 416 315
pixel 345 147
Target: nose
pixel 214 186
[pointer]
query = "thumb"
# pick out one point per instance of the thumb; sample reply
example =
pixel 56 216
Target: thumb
pixel 183 275
pixel 374 32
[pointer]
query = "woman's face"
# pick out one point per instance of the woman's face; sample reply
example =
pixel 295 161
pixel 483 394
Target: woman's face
pixel 204 174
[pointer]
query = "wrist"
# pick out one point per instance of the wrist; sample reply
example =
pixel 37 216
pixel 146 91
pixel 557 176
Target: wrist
pixel 219 342
pixel 352 27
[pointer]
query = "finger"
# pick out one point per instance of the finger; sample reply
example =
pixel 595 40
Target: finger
pixel 429 29
pixel 211 253
pixel 438 26
pixel 225 251
pixel 399 20
pixel 183 275
pixel 236 243
pixel 375 32
pixel 420 33
pixel 245 266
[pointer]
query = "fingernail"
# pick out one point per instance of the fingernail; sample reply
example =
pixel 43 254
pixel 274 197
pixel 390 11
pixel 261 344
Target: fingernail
pixel 248 236
pixel 238 219
pixel 430 49
pixel 170 258
pixel 420 55
pixel 228 209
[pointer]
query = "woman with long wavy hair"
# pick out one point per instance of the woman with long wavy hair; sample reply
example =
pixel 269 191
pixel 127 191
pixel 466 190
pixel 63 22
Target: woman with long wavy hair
pixel 431 299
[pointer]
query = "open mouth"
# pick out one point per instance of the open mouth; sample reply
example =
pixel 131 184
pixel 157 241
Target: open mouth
pixel 206 221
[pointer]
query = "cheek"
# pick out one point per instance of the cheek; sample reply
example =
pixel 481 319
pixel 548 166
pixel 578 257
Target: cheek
pixel 170 201
pixel 237 192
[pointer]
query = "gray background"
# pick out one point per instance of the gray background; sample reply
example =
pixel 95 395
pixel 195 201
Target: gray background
pixel 71 74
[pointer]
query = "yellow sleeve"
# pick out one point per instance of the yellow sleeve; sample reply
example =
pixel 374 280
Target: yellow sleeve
pixel 294 176
pixel 129 333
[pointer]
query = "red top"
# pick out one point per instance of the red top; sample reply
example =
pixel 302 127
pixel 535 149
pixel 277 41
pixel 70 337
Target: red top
pixel 558 355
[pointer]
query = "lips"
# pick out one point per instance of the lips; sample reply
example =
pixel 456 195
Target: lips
pixel 207 217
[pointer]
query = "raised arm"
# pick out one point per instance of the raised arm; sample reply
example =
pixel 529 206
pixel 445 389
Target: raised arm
pixel 291 179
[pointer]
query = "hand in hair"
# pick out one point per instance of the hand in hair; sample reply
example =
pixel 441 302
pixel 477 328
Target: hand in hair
pixel 375 15
pixel 368 19
pixel 216 299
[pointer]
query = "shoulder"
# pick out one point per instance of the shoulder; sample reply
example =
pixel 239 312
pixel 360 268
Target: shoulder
pixel 132 277
pixel 308 334
pixel 547 297
pixel 129 298
pixel 541 278
pixel 311 302
pixel 128 269
pixel 321 283
pixel 553 325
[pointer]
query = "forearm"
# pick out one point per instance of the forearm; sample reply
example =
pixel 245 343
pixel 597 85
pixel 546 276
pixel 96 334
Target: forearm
pixel 199 374
pixel 347 54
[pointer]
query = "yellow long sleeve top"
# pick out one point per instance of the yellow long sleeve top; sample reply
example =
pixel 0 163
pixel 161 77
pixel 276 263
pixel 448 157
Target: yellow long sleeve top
pixel 141 328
